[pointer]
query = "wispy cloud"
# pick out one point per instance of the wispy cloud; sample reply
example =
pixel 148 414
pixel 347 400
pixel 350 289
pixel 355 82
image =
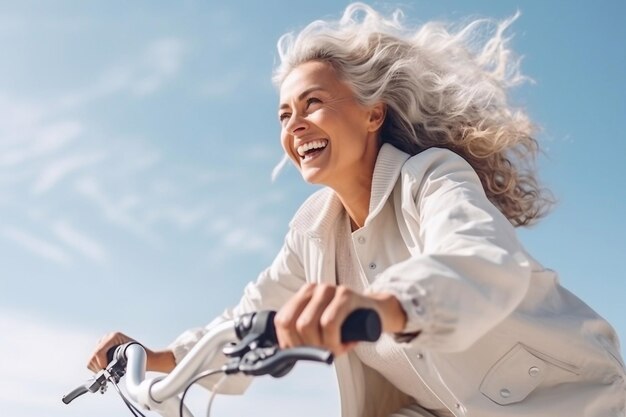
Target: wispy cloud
pixel 182 217
pixel 247 228
pixel 118 212
pixel 46 140
pixel 234 239
pixel 19 116
pixel 80 242
pixel 222 86
pixel 36 245
pixel 58 169
pixel 161 61
pixel 246 240
pixel 112 81
pixel 133 156
pixel 154 67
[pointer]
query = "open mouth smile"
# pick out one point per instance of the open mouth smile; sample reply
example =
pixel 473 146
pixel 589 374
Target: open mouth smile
pixel 311 149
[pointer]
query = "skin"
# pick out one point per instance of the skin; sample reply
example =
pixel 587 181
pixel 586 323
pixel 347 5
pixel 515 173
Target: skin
pixel 315 104
pixel 157 361
pixel 328 110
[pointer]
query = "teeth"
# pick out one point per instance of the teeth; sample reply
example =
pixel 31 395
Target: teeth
pixel 316 144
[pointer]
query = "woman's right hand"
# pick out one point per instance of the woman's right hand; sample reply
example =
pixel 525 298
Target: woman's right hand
pixel 98 360
pixel 159 361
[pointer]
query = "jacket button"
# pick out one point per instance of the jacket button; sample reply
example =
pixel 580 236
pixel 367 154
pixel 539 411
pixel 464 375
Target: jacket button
pixel 372 265
pixel 534 371
pixel 361 240
pixel 505 393
pixel 419 356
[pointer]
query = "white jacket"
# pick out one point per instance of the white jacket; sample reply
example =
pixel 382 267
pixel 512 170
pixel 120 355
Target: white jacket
pixel 497 334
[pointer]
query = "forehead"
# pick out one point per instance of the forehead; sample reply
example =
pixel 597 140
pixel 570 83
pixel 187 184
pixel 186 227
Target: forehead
pixel 307 75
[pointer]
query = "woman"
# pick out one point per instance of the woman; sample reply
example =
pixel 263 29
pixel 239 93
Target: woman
pixel 427 170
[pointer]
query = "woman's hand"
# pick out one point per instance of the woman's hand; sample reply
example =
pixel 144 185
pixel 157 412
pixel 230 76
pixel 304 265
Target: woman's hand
pixel 314 316
pixel 159 361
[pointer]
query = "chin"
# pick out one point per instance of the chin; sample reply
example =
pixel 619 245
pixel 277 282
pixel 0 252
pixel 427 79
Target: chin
pixel 312 176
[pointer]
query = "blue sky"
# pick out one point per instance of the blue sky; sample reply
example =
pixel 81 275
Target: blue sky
pixel 136 145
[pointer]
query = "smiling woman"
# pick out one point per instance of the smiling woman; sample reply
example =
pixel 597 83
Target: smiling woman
pixel 427 169
pixel 328 134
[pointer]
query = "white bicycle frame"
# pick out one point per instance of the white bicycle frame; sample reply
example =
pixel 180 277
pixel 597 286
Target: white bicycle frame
pixel 160 394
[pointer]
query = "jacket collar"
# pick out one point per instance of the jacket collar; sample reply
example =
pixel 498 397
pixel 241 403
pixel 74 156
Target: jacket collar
pixel 320 212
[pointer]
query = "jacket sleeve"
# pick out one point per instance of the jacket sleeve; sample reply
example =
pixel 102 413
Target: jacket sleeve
pixel 467 270
pixel 274 286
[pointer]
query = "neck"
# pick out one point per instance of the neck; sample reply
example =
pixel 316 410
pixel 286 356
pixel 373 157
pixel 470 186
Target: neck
pixel 356 202
pixel 355 189
pixel 355 194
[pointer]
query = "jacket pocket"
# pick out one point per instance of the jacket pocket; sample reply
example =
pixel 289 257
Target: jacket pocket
pixel 518 373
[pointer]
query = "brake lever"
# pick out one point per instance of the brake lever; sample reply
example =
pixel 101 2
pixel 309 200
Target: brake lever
pixel 115 370
pixel 97 383
pixel 278 363
pixel 75 393
pixel 257 351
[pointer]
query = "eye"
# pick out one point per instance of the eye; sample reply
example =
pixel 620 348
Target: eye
pixel 283 116
pixel 312 100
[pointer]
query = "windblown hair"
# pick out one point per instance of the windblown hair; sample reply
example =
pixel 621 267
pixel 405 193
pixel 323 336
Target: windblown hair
pixel 441 87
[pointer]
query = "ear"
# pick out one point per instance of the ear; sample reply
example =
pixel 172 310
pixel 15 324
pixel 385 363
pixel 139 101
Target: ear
pixel 377 116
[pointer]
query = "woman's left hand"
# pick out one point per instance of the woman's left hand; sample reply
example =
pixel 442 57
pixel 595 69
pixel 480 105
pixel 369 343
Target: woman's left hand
pixel 314 315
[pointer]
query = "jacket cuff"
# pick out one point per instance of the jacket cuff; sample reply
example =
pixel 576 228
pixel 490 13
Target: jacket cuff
pixel 412 298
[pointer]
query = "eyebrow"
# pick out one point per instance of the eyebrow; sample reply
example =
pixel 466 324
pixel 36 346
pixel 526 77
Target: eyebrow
pixel 303 94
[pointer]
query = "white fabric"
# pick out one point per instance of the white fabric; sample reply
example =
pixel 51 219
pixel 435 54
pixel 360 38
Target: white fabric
pixel 385 356
pixel 483 308
pixel 412 411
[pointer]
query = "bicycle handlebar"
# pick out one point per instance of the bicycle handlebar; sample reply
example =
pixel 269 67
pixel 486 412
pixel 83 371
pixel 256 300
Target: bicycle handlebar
pixel 256 353
pixel 362 325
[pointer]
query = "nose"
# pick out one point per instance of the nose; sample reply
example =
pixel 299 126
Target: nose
pixel 296 125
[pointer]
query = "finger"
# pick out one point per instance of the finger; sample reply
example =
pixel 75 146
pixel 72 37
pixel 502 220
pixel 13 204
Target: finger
pixel 308 323
pixel 101 353
pixel 99 358
pixel 98 361
pixel 343 303
pixel 285 319
pixel 92 365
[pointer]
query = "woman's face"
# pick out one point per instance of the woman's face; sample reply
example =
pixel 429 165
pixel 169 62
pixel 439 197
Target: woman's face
pixel 330 137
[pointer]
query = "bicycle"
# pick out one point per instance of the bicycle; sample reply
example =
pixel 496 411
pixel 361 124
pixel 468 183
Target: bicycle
pixel 250 344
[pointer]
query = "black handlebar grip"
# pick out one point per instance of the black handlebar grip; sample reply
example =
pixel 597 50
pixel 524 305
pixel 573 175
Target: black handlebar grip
pixel 111 353
pixel 363 325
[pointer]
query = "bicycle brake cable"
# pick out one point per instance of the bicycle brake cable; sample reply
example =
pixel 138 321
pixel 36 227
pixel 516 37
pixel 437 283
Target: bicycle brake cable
pixel 214 393
pixel 136 412
pixel 198 378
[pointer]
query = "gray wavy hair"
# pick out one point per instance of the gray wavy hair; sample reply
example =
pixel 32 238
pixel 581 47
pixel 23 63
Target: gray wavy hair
pixel 442 88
